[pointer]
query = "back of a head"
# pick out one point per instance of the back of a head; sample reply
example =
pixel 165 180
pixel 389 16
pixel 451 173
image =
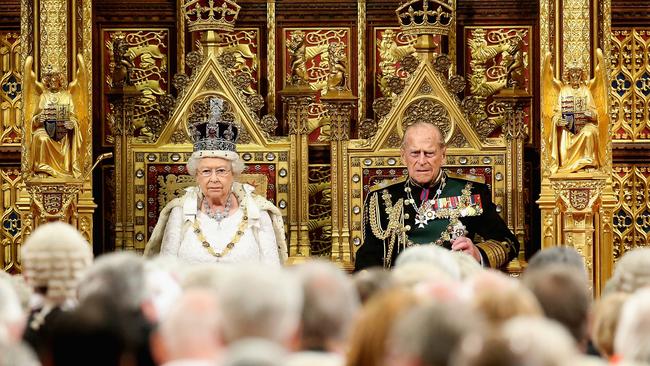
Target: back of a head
pixel 54 256
pixel 499 306
pixel 430 332
pixel 632 340
pixel 632 272
pixel 541 341
pixel 330 303
pixel 372 327
pixel 92 333
pixel 607 313
pixel 190 330
pixel 119 276
pixel 564 295
pixel 254 352
pixel 562 255
pixel 261 302
pixel 371 281
pixel 434 257
pixel 521 341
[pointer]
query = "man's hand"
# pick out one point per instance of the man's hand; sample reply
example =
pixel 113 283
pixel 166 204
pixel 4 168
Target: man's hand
pixel 464 244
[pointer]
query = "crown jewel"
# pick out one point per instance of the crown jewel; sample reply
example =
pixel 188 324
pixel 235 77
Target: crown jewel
pixel 426 16
pixel 215 15
pixel 217 131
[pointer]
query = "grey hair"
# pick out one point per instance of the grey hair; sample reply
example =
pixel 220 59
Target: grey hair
pixel 236 163
pixel 433 256
pixel 192 325
pixel 119 276
pixel 330 303
pixel 632 340
pixel 632 272
pixel 258 301
pixel 539 340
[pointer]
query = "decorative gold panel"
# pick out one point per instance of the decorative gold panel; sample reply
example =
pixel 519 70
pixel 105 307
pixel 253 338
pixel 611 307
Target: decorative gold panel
pixel 497 58
pixel 632 212
pixel 147 52
pixel 630 85
pixel 316 43
pixel 11 227
pixel 54 34
pixel 320 210
pixel 10 88
pixel 391 45
pixel 576 35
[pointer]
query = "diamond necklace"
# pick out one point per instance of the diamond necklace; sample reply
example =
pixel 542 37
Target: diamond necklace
pixel 218 215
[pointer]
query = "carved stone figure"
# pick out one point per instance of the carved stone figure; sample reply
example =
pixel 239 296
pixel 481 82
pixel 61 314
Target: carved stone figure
pixel 56 122
pixel 575 118
pixel 297 51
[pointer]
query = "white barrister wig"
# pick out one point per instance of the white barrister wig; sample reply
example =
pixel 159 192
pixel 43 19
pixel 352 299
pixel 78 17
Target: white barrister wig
pixel 54 257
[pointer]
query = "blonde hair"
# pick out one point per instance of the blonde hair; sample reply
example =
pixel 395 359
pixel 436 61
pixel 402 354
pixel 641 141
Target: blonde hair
pixel 606 315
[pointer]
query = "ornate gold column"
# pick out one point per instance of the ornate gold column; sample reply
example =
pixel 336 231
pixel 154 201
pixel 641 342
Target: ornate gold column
pixel 57 36
pixel 123 99
pixel 515 132
pixel 577 198
pixel 339 105
pixel 296 100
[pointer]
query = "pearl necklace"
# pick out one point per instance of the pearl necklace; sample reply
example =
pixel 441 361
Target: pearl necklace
pixel 219 215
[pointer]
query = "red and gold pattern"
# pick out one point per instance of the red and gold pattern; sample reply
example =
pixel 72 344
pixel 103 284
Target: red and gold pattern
pixel 498 58
pixel 390 45
pixel 317 65
pixel 149 54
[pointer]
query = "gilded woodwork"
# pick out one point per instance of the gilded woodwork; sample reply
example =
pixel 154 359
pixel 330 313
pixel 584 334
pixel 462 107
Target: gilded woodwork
pixel 154 172
pixel 391 47
pixel 498 59
pixel 53 27
pixel 270 54
pixel 144 52
pixel 361 58
pixel 630 85
pixel 320 210
pixel 10 89
pixel 631 216
pixel 577 200
pixel 428 94
pixel 10 179
pixel 306 62
pixel 576 34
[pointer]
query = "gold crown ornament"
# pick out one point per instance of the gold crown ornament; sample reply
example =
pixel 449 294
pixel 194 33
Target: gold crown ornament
pixel 426 16
pixel 211 15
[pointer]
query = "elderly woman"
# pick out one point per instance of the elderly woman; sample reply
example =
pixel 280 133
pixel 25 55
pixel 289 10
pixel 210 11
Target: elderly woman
pixel 220 220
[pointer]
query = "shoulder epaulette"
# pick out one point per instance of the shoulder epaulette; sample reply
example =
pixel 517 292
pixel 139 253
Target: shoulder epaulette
pixel 389 182
pixel 468 177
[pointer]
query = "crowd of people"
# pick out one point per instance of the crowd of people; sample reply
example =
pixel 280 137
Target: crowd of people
pixel 435 307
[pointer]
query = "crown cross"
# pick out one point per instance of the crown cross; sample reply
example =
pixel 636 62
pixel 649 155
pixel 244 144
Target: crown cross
pixel 213 131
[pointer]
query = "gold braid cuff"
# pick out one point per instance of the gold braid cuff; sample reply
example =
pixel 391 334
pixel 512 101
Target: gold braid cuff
pixel 496 252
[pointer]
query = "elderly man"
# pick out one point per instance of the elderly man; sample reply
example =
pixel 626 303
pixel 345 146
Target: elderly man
pixel 430 206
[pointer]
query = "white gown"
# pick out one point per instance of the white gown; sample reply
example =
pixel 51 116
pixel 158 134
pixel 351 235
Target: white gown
pixel 187 247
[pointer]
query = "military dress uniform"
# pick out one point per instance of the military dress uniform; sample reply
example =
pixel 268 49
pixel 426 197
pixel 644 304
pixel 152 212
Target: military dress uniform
pixel 402 214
